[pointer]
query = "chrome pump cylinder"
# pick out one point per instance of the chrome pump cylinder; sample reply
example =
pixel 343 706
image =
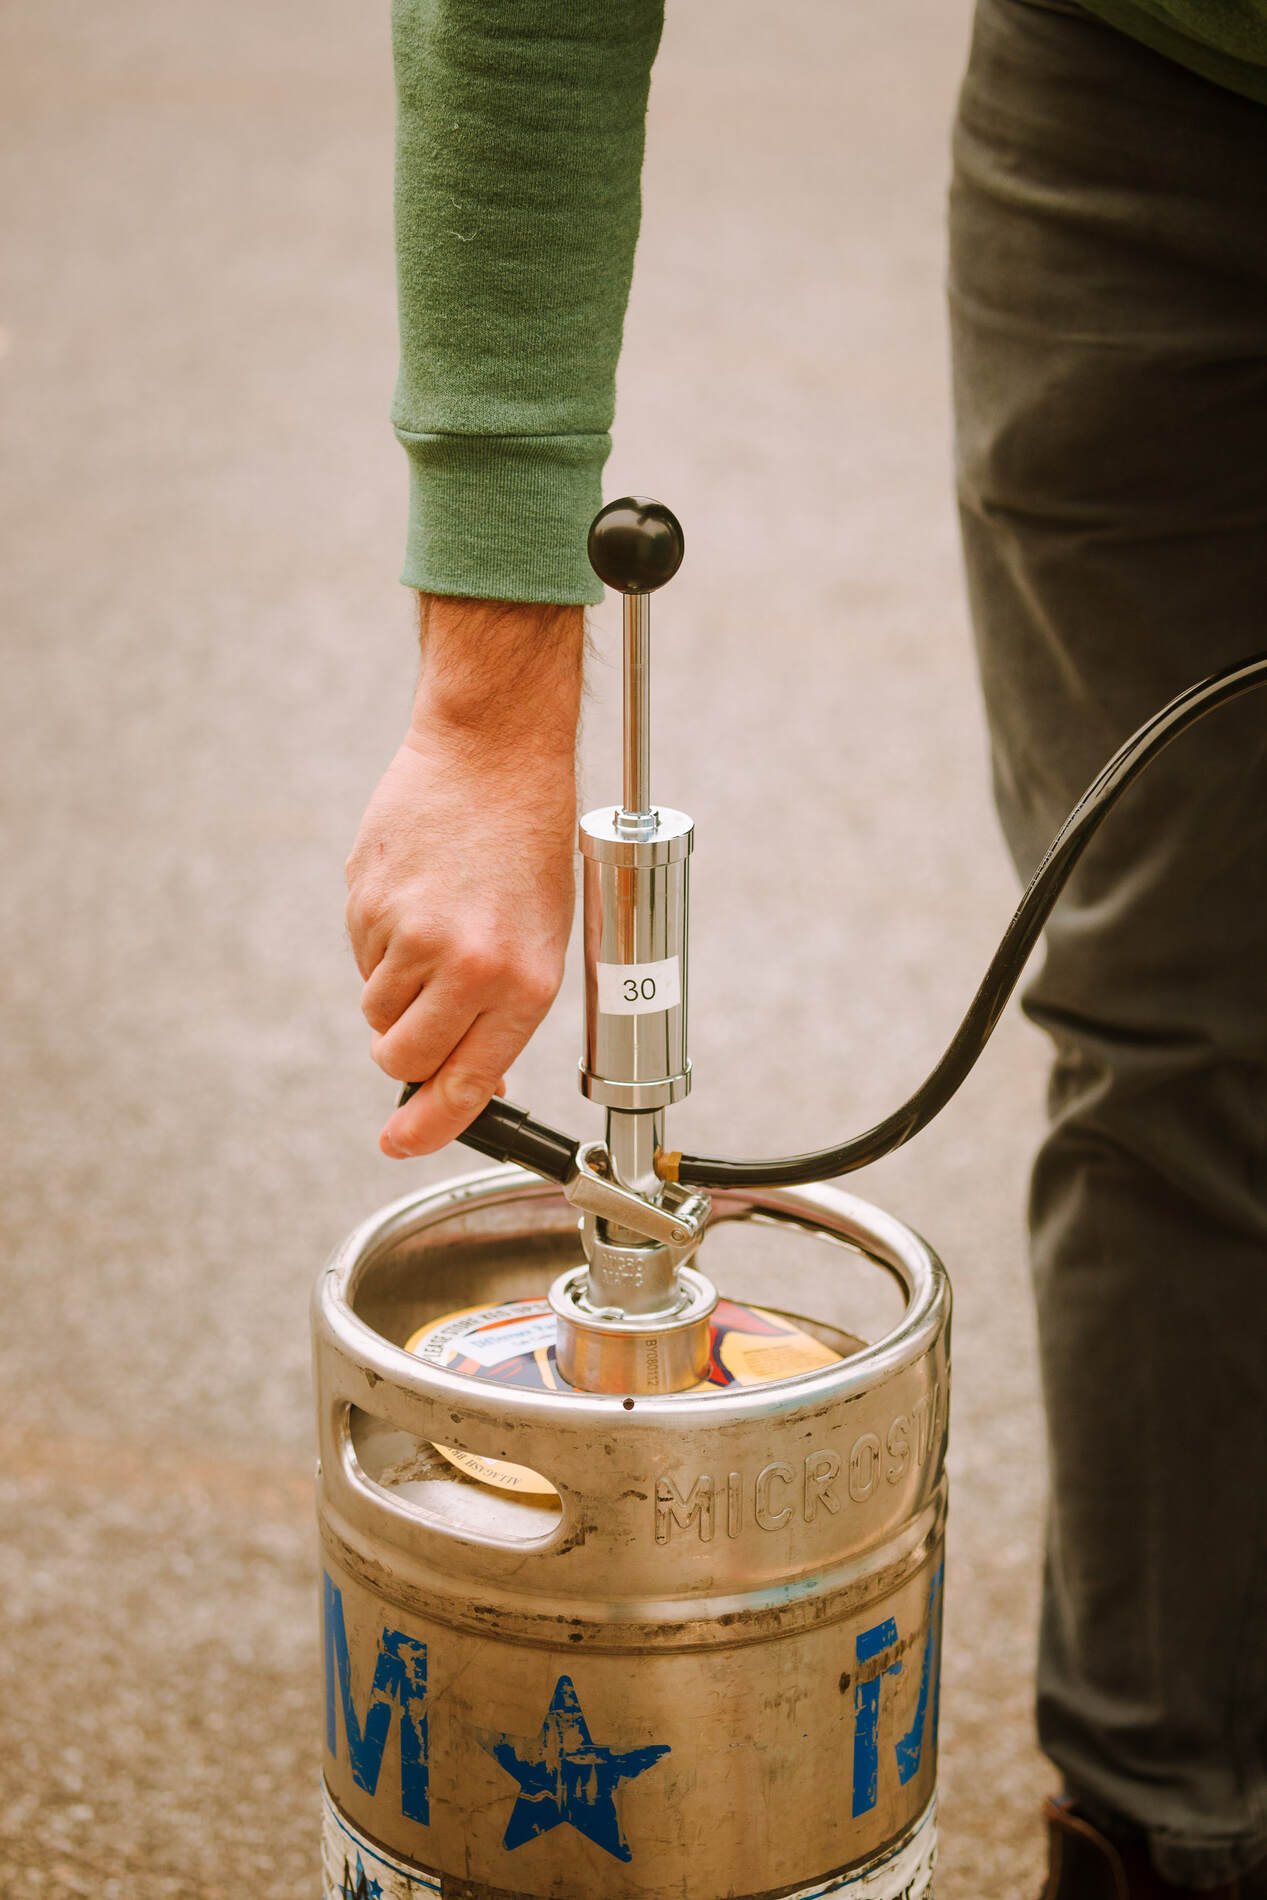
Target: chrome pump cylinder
pixel 635 907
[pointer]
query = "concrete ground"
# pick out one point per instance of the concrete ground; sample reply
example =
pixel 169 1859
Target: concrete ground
pixel 206 663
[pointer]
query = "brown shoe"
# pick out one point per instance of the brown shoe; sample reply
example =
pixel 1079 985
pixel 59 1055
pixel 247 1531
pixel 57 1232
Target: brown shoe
pixel 1084 1864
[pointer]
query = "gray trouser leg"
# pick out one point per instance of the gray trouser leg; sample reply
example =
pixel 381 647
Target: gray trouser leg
pixel 1109 307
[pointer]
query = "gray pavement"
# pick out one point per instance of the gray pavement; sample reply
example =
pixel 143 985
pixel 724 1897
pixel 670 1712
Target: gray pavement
pixel 207 660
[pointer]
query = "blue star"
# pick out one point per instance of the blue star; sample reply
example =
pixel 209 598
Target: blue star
pixel 564 1776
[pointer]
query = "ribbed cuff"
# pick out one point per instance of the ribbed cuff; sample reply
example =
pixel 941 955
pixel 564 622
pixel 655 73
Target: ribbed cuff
pixel 503 517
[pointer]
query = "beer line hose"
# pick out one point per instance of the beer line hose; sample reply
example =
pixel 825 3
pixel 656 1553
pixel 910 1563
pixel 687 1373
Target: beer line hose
pixel 507 1133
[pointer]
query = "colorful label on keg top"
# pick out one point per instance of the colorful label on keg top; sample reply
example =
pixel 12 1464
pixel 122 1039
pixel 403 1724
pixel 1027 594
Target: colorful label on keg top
pixel 354 1868
pixel 482 1338
pixel 514 1344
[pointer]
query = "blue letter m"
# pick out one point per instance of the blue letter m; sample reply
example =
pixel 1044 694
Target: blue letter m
pixel 399 1685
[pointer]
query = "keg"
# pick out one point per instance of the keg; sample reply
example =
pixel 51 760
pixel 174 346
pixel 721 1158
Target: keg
pixel 583 1646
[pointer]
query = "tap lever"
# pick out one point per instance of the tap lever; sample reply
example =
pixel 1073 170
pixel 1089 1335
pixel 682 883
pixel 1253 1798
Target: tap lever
pixel 506 1133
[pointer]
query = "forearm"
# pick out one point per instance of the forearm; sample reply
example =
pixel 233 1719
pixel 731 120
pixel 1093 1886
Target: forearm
pixel 504 679
pixel 519 151
pixel 460 881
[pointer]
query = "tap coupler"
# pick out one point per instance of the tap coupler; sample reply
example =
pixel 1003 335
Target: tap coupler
pixel 636 1317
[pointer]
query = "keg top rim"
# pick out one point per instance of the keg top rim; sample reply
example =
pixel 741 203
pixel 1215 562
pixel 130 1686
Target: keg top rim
pixel 887 1241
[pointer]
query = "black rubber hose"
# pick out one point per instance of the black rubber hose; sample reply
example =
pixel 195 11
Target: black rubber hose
pixel 506 1133
pixel 1009 959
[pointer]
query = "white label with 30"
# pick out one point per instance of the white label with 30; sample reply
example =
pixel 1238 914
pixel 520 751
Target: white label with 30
pixel 636 989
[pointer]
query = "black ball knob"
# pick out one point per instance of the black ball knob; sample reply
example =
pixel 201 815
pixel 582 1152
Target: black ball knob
pixel 636 545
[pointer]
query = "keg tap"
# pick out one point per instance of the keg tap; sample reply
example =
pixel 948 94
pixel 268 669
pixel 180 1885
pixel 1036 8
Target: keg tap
pixel 635 1318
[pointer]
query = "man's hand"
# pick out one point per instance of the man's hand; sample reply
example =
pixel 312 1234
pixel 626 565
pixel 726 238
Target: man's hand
pixel 460 885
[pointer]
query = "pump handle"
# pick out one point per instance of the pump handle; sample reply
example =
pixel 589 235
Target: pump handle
pixel 636 544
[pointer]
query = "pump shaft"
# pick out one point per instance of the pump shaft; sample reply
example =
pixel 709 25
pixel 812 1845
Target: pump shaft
pixel 637 706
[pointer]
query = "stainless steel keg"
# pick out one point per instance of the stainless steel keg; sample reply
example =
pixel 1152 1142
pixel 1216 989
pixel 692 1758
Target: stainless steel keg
pixel 700 1657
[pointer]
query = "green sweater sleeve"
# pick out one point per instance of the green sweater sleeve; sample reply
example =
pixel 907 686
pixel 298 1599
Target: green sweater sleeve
pixel 518 163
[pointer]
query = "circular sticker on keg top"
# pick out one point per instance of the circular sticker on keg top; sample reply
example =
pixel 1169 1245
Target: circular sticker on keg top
pixel 514 1344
